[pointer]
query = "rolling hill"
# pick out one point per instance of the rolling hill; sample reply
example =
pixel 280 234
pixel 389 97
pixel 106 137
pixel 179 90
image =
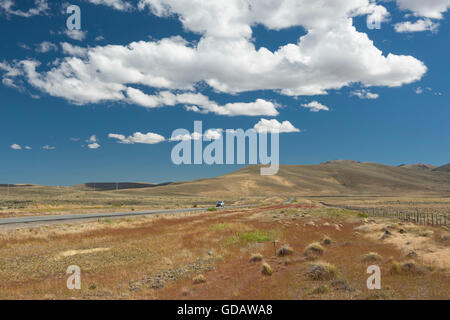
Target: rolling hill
pixel 330 178
pixel 445 168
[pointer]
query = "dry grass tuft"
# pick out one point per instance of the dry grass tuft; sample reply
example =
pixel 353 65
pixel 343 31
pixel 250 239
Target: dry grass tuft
pixel 324 289
pixel 321 271
pixel 371 257
pixel 408 268
pixel 285 251
pixel 266 269
pixel 314 249
pixel 199 279
pixel 326 240
pixel 256 257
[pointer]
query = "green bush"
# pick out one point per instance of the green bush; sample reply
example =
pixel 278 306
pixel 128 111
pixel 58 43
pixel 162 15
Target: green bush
pixel 363 215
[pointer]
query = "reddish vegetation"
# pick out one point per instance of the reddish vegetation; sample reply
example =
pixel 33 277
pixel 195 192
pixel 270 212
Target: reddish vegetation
pixel 205 244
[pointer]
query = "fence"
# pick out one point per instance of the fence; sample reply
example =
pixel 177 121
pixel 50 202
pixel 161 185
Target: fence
pixel 422 218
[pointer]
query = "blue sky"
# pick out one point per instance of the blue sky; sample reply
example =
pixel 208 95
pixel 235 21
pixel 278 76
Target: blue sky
pixel 387 110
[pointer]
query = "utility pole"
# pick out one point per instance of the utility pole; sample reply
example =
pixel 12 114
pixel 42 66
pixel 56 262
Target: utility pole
pixel 117 186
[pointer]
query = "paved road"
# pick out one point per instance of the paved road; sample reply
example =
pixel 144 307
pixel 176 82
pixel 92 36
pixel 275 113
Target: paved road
pixel 69 217
pixel 289 201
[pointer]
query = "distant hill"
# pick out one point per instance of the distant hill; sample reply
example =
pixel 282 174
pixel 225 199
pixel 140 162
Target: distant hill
pixel 342 177
pixel 106 186
pixel 422 166
pixel 445 168
pixel 15 185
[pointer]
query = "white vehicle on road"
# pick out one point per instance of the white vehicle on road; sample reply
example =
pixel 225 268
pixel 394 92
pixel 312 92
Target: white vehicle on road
pixel 220 204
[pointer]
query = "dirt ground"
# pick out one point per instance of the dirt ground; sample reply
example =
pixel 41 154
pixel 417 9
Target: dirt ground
pixel 221 255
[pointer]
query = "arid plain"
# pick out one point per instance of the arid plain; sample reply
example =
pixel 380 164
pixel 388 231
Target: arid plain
pixel 308 233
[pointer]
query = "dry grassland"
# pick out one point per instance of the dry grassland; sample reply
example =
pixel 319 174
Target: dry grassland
pixel 256 253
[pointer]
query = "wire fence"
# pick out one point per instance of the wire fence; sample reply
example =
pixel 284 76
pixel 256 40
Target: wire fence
pixel 413 216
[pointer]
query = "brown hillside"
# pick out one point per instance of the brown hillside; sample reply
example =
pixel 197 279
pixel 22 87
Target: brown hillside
pixel 445 168
pixel 332 178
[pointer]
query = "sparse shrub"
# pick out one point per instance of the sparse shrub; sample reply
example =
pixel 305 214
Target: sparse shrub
pixel 371 257
pixel 199 279
pixel 363 215
pixel 409 267
pixel 285 251
pixel 321 271
pixel 266 269
pixel 195 206
pixel 256 257
pixel 326 240
pixel 92 286
pixel 396 268
pixel 341 285
pixel 387 234
pixel 212 209
pixel 426 233
pixel 314 249
pixel 321 289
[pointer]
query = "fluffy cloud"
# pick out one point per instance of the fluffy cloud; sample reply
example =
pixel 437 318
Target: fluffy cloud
pixel 15 146
pixel 365 94
pixel 315 106
pixel 47 147
pixel 45 47
pixel 138 137
pixel 199 103
pixel 76 34
pixel 187 137
pixel 72 50
pixel 332 55
pixel 213 134
pixel 274 125
pixel 425 8
pixel 430 9
pixel 7 6
pixel 93 145
pixel 92 142
pixel 115 4
pixel 418 26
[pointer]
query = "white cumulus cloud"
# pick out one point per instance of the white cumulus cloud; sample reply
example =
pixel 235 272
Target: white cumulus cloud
pixel 46 46
pixel 115 4
pixel 425 8
pixel 15 146
pixel 79 35
pixel 365 94
pixel 332 55
pixel 93 142
pixel 274 125
pixel 315 106
pixel 417 26
pixel 138 137
pixel 8 7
